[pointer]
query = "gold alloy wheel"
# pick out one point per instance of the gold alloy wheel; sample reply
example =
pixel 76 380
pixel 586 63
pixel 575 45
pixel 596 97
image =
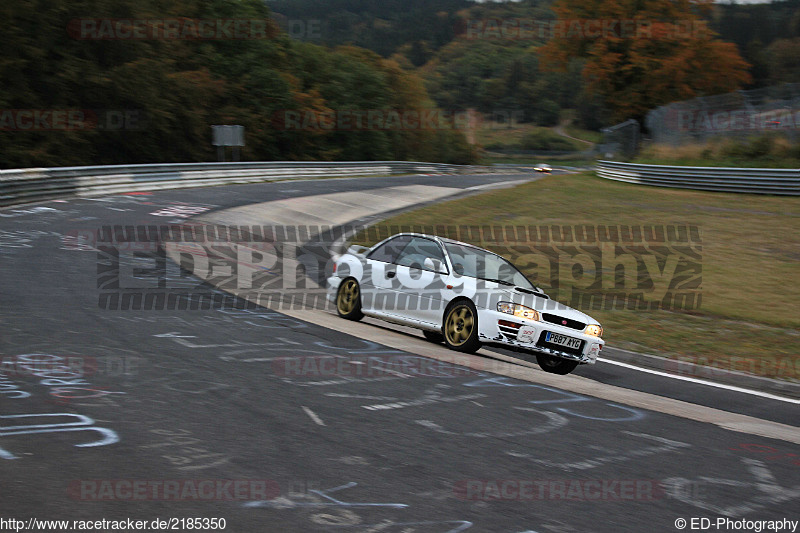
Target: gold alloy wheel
pixel 348 297
pixel 458 327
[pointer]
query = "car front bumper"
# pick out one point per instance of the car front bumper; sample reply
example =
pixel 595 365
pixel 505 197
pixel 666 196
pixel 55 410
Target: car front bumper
pixel 502 329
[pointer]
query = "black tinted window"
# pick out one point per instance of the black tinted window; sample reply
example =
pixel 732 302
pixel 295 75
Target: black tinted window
pixel 390 250
pixel 481 264
pixel 418 250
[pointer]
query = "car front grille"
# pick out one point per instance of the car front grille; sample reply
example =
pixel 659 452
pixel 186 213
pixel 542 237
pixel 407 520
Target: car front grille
pixel 509 329
pixel 561 321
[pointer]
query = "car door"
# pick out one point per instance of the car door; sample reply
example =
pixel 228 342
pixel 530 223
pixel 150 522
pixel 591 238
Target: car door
pixel 378 285
pixel 421 271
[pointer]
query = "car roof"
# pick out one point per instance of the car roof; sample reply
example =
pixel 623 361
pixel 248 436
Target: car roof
pixel 436 238
pixel 444 240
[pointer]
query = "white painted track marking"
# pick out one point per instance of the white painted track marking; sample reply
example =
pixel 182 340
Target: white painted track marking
pixel 311 414
pixel 702 381
pixel 365 204
pixel 502 365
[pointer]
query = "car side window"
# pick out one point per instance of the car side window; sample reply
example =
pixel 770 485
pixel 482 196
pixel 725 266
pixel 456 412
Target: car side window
pixel 419 249
pixel 389 251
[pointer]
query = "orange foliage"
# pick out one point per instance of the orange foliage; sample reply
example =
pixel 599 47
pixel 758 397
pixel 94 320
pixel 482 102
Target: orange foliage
pixel 640 55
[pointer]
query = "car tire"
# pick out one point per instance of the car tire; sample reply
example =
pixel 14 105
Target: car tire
pixel 433 336
pixel 555 365
pixel 348 300
pixel 460 330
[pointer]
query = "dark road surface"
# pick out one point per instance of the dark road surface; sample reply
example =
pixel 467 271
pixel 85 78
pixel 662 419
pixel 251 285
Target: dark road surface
pixel 198 414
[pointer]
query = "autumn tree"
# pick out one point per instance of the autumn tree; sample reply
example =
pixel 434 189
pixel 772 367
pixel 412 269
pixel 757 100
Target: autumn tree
pixel 640 54
pixel 783 60
pixel 176 88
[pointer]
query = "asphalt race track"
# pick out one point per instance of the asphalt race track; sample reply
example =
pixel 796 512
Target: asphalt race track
pixel 109 414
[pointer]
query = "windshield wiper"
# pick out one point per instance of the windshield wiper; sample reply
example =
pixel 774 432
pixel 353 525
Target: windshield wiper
pixel 504 282
pixel 538 292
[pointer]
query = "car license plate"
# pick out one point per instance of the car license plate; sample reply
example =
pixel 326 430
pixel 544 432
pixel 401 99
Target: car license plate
pixel 562 340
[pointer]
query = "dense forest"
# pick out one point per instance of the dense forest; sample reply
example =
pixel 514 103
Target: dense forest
pixel 154 98
pixel 151 98
pixel 384 26
pixel 490 70
pixel 768 35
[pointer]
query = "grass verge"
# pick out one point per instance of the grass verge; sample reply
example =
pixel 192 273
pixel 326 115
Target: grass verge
pixel 750 260
pixel 491 158
pixel 522 136
pixel 763 151
pixel 586 135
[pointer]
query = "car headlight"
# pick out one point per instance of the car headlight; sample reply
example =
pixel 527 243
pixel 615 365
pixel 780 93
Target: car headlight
pixel 596 330
pixel 519 311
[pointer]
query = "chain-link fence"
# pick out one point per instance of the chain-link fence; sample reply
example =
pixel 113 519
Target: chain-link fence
pixel 741 113
pixel 621 140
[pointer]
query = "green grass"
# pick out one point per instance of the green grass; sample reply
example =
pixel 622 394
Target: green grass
pixel 586 135
pixel 750 260
pixel 719 162
pixel 492 135
pixel 764 151
pixel 555 161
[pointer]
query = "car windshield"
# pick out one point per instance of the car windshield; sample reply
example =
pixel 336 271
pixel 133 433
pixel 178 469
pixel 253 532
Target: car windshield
pixel 478 263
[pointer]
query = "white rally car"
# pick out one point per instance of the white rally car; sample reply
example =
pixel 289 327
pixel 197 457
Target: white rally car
pixel 463 295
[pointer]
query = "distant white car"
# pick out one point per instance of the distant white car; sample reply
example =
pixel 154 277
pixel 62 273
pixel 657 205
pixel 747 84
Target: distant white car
pixel 463 295
pixel 542 167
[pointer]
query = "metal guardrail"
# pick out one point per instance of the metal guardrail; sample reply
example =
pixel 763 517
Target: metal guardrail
pixel 27 185
pixel 744 180
pixel 19 186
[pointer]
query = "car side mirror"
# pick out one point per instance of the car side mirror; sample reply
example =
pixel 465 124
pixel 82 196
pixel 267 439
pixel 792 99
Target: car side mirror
pixel 435 265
